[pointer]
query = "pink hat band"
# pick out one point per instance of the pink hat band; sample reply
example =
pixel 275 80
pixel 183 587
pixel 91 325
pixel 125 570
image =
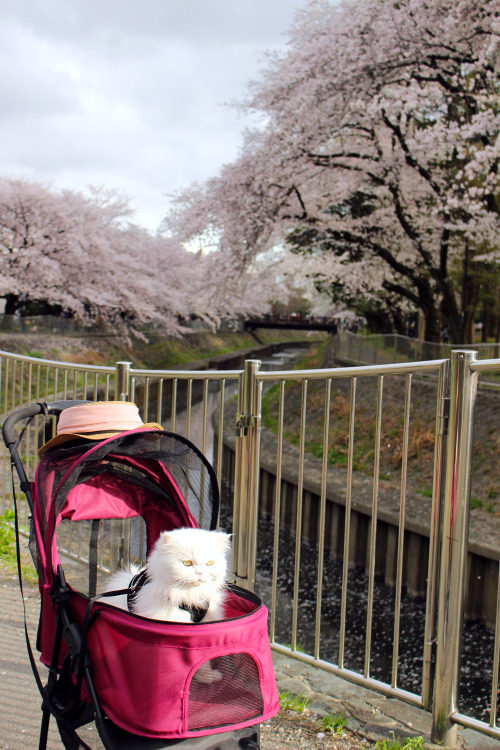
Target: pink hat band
pixel 104 416
pixel 97 421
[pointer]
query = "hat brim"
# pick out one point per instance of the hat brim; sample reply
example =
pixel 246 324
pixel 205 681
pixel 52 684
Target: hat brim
pixel 66 436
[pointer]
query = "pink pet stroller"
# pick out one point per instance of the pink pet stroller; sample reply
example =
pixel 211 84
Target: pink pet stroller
pixel 110 497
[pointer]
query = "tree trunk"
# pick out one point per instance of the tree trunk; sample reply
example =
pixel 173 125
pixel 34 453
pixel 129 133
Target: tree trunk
pixel 11 304
pixel 399 322
pixel 468 328
pixel 378 321
pixel 430 311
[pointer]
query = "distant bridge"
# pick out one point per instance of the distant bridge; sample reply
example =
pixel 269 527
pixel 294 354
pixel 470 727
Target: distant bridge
pixel 292 322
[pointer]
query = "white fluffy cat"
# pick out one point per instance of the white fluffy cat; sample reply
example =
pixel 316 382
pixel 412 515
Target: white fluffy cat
pixel 184 581
pixel 186 569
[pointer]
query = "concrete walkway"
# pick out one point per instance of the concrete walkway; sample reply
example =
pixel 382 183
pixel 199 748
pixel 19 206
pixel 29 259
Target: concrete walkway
pixel 372 715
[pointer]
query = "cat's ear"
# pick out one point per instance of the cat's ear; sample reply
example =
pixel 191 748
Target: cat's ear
pixel 165 538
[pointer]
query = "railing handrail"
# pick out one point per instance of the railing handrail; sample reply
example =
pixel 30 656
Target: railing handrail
pixel 403 368
pixel 104 369
pixel 187 374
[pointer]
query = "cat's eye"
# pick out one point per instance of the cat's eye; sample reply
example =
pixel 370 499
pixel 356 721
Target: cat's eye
pixel 187 562
pixel 210 562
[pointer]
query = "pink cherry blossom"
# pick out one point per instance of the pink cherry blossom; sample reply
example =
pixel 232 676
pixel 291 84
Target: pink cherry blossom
pixel 377 157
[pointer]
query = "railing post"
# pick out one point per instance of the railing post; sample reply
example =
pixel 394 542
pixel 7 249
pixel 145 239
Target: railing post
pixel 246 481
pixel 440 435
pixel 122 381
pixel 463 387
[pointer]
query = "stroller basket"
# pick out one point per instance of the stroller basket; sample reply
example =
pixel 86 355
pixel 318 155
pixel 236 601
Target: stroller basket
pixel 137 674
pixel 129 651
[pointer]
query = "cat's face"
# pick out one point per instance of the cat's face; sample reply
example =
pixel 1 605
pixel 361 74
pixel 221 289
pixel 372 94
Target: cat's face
pixel 194 558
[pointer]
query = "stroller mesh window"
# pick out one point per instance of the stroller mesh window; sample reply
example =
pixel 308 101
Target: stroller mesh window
pixel 35 552
pixel 235 696
pixel 119 541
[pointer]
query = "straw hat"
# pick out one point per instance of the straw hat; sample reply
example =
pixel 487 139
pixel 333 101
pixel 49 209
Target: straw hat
pixel 96 421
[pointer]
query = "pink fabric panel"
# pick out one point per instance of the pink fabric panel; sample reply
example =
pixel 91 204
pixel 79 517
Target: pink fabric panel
pixel 103 497
pixel 37 523
pixel 46 628
pixel 125 648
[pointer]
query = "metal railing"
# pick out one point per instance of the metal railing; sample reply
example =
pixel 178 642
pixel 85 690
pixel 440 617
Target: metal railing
pixel 249 421
pixel 46 325
pixel 184 402
pixel 169 398
pixel 355 348
pixel 25 380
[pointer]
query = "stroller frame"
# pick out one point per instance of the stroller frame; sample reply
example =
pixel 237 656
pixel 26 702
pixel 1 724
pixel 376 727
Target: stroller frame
pixel 71 666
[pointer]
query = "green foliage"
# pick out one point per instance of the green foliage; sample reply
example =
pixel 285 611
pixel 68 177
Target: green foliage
pixel 335 457
pixel 476 502
pixel 334 723
pixel 291 702
pixel 411 743
pixel 313 356
pixel 164 354
pixel 8 555
pixel 157 353
pixel 7 546
pixel 298 647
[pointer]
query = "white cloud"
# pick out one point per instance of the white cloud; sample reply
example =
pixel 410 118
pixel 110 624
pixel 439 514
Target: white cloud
pixel 129 94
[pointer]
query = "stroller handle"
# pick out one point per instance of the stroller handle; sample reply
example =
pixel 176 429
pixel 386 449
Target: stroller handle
pixel 25 413
pixel 56 407
pixel 10 439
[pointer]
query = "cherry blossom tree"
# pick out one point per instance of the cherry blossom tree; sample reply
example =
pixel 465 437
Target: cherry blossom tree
pixel 379 156
pixel 233 223
pixel 79 254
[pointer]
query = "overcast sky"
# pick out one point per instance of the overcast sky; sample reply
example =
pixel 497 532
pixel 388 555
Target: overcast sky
pixel 129 94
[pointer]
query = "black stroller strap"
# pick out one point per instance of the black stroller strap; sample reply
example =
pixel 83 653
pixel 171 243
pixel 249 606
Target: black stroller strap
pixel 20 577
pixel 137 582
pixel 197 613
pixel 94 534
pixel 117 592
pixel 21 435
